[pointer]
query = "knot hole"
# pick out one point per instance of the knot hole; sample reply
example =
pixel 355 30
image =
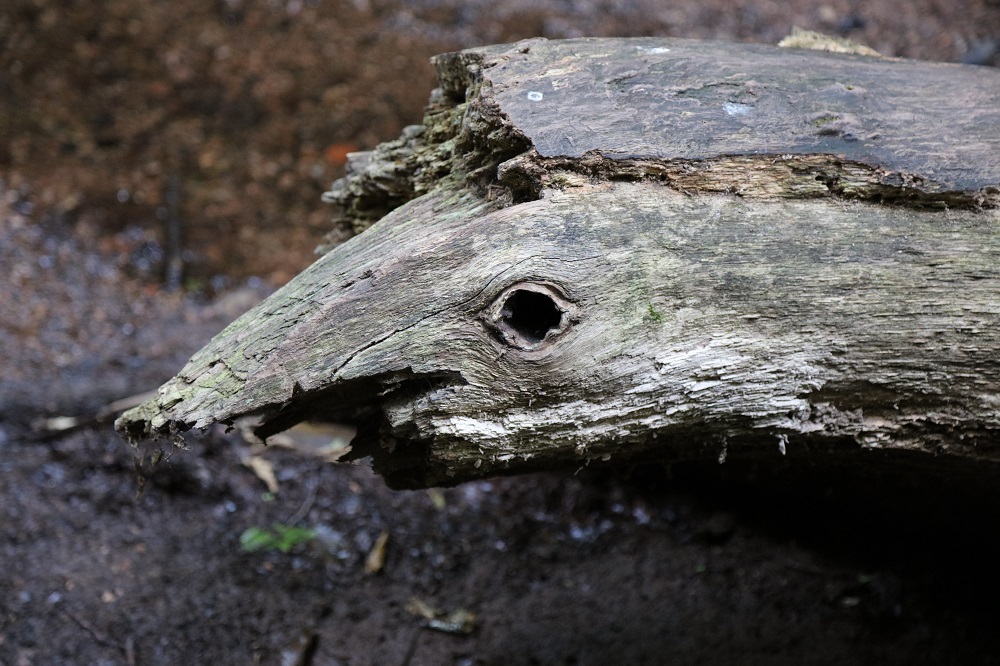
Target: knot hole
pixel 531 314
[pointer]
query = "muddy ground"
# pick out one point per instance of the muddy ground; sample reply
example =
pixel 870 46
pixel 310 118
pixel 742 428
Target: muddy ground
pixel 160 171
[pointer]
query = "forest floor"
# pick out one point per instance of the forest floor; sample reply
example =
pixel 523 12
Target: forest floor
pixel 161 165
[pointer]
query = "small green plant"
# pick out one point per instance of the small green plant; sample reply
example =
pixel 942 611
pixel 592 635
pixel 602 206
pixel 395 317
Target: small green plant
pixel 279 537
pixel 654 315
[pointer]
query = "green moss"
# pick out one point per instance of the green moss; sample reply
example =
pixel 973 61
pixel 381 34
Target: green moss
pixel 654 315
pixel 825 120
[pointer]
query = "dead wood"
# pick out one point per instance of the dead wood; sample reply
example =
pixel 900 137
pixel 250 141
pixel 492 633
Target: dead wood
pixel 611 250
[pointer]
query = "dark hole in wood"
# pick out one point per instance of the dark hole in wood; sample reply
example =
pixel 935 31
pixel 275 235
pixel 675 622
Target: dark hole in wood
pixel 530 314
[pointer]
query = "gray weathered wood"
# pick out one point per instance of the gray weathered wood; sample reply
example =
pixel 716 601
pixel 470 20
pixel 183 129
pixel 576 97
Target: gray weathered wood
pixel 552 295
pixel 752 120
pixel 929 127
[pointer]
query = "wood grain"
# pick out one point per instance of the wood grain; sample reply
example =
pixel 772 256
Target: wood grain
pixel 623 268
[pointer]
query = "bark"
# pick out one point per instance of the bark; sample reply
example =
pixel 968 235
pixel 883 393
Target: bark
pixel 613 250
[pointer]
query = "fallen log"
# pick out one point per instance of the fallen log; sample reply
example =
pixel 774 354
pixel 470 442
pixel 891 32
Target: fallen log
pixel 617 250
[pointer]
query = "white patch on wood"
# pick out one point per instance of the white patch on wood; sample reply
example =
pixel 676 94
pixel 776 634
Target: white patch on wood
pixel 736 109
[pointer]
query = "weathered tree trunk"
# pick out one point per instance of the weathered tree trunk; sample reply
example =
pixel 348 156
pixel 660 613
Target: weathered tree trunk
pixel 601 250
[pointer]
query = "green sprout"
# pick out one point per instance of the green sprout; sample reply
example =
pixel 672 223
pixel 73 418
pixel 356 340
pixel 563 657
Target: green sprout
pixel 279 537
pixel 654 315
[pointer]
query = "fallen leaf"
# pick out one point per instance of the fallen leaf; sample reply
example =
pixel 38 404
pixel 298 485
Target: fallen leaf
pixel 376 556
pixel 264 471
pixel 437 498
pixel 328 442
pixel 459 621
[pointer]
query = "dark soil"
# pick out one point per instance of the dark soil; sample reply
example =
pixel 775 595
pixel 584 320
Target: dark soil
pixel 161 165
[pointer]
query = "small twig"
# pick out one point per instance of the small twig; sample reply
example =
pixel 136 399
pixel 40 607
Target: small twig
pixel 115 408
pixel 412 649
pixel 174 234
pixel 128 648
pixel 57 426
pixel 89 628
pixel 130 651
pixel 308 502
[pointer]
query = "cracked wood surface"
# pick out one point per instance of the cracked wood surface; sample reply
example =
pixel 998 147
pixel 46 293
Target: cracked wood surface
pixel 701 326
pixel 537 294
pixel 718 117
